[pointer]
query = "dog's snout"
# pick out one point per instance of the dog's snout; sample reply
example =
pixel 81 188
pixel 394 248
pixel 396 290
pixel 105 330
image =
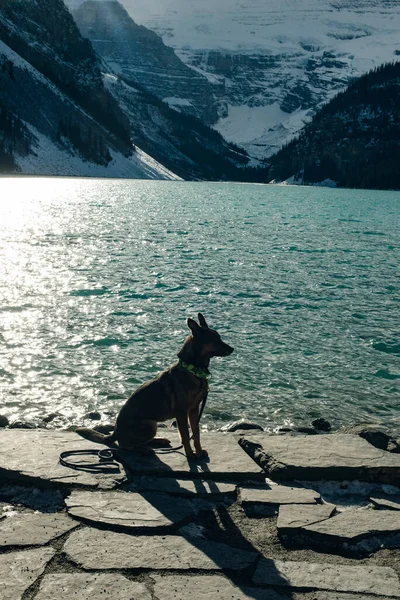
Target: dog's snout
pixel 229 350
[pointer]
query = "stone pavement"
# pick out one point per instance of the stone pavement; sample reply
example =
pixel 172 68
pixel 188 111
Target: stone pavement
pixel 195 488
pixel 33 456
pixel 227 461
pixel 162 528
pixel 351 528
pixel 277 496
pixel 34 529
pixel 294 518
pixel 19 570
pixel 112 550
pixel 390 502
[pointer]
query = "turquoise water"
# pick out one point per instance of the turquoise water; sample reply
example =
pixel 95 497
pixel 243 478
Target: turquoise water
pixel 97 278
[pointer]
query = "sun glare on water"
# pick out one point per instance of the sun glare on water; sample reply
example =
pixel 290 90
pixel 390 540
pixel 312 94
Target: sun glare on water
pixel 34 217
pixel 27 210
pixel 22 198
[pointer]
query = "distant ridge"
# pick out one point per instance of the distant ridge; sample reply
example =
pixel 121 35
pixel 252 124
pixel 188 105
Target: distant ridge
pixel 354 140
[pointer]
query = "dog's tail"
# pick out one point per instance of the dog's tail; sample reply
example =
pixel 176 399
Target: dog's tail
pixel 96 436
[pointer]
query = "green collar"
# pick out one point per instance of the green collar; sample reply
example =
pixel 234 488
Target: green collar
pixel 201 373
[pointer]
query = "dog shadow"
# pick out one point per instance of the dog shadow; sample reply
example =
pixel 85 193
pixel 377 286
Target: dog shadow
pixel 218 522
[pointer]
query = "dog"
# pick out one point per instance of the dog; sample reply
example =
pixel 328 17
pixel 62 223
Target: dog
pixel 176 393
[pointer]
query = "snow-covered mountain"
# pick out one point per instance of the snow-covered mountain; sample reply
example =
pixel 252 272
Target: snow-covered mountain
pixel 37 103
pixel 139 54
pixel 64 111
pixel 168 104
pixel 56 115
pixel 272 62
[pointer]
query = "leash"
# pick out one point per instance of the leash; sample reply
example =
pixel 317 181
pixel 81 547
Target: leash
pixel 106 462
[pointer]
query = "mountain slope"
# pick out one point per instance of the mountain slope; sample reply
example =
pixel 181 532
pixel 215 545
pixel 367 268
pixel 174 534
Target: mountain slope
pixel 354 140
pixel 51 87
pixel 139 54
pixel 174 136
pixel 58 118
pixel 273 63
pixel 180 142
pixel 31 108
pixel 43 33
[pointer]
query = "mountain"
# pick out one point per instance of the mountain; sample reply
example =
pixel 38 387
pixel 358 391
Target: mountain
pixel 141 73
pixel 56 115
pixel 64 111
pixel 353 141
pixel 140 55
pixel 271 64
pixel 181 142
pixel 44 34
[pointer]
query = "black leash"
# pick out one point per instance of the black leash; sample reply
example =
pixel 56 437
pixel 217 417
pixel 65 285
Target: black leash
pixel 106 462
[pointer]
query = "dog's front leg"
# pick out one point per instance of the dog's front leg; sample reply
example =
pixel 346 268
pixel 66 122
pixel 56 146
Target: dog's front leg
pixel 182 421
pixel 195 427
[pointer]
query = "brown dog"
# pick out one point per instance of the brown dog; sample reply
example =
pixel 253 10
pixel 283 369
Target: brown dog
pixel 176 393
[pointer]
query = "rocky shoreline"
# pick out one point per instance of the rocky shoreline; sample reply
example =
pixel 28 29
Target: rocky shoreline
pixel 377 435
pixel 266 517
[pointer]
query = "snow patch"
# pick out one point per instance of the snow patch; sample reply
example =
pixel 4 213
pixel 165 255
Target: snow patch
pixel 276 25
pixel 245 124
pixel 50 159
pixel 172 101
pixel 298 180
pixel 256 127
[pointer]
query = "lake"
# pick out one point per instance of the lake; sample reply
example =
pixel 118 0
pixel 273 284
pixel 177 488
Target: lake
pixel 97 278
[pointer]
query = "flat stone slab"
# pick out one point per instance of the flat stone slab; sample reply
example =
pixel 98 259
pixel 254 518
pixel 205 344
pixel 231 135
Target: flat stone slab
pixel 333 457
pixel 293 517
pixel 130 510
pixel 227 461
pixel 386 502
pixel 19 570
pixel 353 526
pixel 199 488
pixel 86 586
pixel 278 495
pixel 206 587
pixel 33 529
pixel 94 549
pixel 33 456
pixel 360 579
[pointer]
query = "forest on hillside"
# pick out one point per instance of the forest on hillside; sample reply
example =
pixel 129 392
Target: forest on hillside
pixel 354 140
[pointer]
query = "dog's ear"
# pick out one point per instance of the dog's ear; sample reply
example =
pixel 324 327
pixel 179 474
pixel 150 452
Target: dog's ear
pixel 202 321
pixel 193 326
